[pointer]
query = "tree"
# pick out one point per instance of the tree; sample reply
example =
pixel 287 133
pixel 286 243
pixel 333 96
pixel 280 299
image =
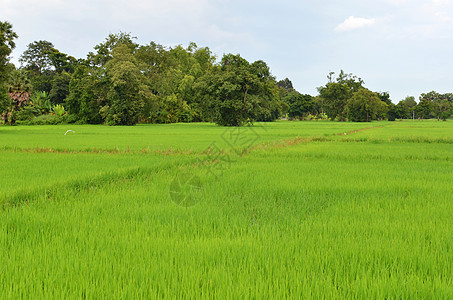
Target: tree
pixel 19 88
pixel 61 62
pixel 392 112
pixel 36 61
pixel 170 73
pixel 424 107
pixel 384 97
pixel 36 57
pixel 104 51
pixel 285 84
pixel 407 107
pixel 270 106
pixel 87 94
pixel 336 94
pixel 43 63
pixel 299 105
pixel 364 106
pixel 441 105
pixel 7 44
pixel 126 84
pixel 60 88
pixel 236 92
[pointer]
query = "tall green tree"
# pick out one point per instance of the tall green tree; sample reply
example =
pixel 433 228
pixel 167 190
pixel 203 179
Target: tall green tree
pixel 425 106
pixel 171 74
pixel 406 108
pixel 60 88
pixel 36 61
pixel 35 57
pixel 44 62
pixel 236 92
pixel 337 92
pixel 299 105
pixel 126 90
pixel 7 44
pixel 392 112
pixel 104 51
pixel 441 105
pixel 87 94
pixel 364 106
pixel 286 84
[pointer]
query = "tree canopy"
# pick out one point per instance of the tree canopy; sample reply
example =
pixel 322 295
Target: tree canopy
pixel 7 44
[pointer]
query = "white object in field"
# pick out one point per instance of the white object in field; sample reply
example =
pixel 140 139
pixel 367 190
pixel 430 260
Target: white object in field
pixel 69 131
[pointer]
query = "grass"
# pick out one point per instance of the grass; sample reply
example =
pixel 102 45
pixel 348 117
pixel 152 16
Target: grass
pixel 184 137
pixel 324 215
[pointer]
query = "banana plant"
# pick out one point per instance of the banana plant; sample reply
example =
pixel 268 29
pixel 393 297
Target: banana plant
pixel 58 110
pixel 40 100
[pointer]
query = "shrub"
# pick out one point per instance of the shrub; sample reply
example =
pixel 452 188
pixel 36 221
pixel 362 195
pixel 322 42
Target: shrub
pixel 48 119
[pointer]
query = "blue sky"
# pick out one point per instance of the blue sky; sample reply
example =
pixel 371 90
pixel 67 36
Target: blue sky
pixel 401 46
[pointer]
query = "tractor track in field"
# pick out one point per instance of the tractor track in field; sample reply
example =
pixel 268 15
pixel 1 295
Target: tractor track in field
pixel 301 140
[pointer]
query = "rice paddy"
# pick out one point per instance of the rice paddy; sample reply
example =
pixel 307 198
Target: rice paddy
pixel 279 210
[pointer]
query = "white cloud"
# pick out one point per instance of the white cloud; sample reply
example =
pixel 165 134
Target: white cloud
pixel 441 2
pixel 352 23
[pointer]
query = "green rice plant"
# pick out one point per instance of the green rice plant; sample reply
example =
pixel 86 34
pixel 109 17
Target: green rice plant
pixel 305 217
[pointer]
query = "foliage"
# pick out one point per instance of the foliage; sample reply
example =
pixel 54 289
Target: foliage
pixel 406 108
pixel 47 119
pixel 58 110
pixel 48 68
pixel 285 84
pixel 441 104
pixel 392 112
pixel 384 97
pixel 299 105
pixel 104 51
pixel 364 106
pixel 18 81
pixel 123 83
pixel 7 44
pixel 425 107
pixel 335 94
pixel 35 58
pixel 28 113
pixel 18 87
pixel 126 87
pixel 60 88
pixel 87 94
pixel 41 101
pixel 236 92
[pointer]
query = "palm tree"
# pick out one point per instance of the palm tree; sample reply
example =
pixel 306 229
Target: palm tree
pixel 7 35
pixel 19 88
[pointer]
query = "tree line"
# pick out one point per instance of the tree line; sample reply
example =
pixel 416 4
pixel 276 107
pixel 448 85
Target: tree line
pixel 123 83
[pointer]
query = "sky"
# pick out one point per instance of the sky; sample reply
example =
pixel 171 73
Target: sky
pixel 404 47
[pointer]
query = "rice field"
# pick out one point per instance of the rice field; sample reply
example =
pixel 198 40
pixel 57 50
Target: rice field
pixel 279 210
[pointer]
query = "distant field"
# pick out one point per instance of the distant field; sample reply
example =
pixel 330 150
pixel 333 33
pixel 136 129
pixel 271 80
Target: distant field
pixel 197 136
pixel 279 210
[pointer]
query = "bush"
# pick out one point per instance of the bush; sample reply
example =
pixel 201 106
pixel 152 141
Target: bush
pixel 48 119
pixel 70 119
pixel 28 113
